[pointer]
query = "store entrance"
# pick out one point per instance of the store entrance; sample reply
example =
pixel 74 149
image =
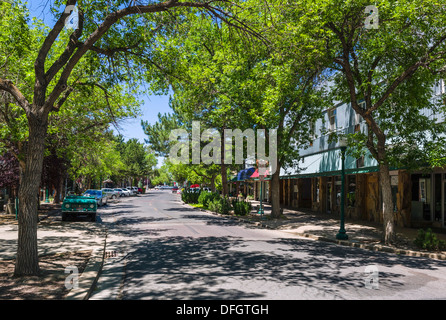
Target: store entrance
pixel 443 216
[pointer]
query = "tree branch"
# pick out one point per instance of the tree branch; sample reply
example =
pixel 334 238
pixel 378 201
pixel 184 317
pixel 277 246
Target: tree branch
pixel 8 86
pixel 71 46
pixel 109 20
pixel 39 64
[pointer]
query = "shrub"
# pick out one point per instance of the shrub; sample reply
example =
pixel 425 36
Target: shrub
pixel 220 205
pixel 206 197
pixel 189 197
pixel 428 240
pixel 242 208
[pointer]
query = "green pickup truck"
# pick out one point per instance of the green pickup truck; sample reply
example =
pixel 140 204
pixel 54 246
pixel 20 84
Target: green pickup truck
pixel 77 206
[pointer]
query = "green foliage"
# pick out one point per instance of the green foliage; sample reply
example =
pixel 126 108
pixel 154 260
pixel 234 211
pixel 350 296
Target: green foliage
pixel 189 197
pixel 220 205
pixel 428 240
pixel 206 197
pixel 162 175
pixel 242 208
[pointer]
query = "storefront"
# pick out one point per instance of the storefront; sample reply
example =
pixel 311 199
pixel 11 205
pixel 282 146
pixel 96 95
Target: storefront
pixel 429 198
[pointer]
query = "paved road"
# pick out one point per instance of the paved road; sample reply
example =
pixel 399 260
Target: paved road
pixel 162 249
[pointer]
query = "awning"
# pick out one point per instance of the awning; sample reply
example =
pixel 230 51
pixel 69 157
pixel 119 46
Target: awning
pixel 244 174
pixel 328 164
pixel 256 174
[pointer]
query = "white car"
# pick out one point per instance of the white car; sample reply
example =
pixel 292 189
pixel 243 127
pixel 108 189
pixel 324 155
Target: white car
pixel 125 192
pixel 110 193
pixel 132 190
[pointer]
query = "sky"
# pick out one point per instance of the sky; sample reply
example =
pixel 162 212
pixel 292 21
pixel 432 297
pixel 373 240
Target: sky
pixel 151 107
pixel 152 104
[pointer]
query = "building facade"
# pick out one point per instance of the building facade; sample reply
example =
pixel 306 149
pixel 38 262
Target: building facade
pixel 419 197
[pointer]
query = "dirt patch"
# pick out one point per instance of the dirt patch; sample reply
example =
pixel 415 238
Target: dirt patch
pixel 49 285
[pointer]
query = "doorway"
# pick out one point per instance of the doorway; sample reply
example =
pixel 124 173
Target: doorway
pixel 443 217
pixel 329 194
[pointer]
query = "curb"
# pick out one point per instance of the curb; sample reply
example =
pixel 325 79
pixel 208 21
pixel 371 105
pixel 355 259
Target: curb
pixel 89 277
pixel 371 247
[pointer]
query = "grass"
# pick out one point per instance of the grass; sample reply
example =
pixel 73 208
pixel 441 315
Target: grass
pixel 198 205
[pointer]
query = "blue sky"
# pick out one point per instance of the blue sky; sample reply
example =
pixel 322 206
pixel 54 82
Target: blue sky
pixel 152 104
pixel 150 109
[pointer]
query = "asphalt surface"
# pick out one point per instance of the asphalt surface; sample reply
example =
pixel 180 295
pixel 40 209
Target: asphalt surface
pixel 159 248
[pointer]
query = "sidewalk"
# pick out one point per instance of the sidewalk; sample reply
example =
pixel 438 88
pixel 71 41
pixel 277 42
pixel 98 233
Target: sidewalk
pixel 324 227
pixel 79 244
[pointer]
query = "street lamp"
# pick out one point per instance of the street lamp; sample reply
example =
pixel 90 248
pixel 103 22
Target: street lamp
pixel 261 169
pixel 262 178
pixel 341 235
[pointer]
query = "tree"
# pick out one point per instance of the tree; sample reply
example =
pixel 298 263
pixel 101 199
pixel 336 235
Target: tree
pixel 386 73
pixel 229 81
pixel 137 159
pixel 158 136
pixel 105 32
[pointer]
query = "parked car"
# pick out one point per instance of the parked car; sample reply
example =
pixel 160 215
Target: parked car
pixel 110 193
pixel 77 206
pixel 135 189
pixel 139 190
pixel 125 192
pixel 101 197
pixel 174 189
pixel 132 191
pixel 198 190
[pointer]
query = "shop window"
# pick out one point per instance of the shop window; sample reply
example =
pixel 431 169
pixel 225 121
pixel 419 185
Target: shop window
pixel 338 185
pixel 351 191
pixel 316 190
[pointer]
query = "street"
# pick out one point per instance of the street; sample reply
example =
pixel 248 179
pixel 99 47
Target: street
pixel 159 248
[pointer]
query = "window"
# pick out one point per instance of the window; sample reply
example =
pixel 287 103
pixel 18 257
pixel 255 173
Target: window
pixel 332 119
pixel 338 187
pixel 358 118
pixel 441 87
pixel 351 191
pixel 312 135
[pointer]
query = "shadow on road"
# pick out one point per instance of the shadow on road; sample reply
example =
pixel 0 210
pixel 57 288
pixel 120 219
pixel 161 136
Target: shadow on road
pixel 199 268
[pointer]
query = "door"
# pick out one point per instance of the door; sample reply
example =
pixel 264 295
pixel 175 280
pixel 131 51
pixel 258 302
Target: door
pixel 329 189
pixel 443 216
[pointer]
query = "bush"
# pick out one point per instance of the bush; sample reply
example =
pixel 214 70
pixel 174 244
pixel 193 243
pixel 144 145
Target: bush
pixel 206 197
pixel 220 205
pixel 189 197
pixel 242 208
pixel 428 240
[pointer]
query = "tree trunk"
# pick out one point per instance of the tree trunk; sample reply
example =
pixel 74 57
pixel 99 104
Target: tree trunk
pixel 27 262
pixel 57 194
pixel 224 174
pixel 387 208
pixel 224 180
pixel 275 194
